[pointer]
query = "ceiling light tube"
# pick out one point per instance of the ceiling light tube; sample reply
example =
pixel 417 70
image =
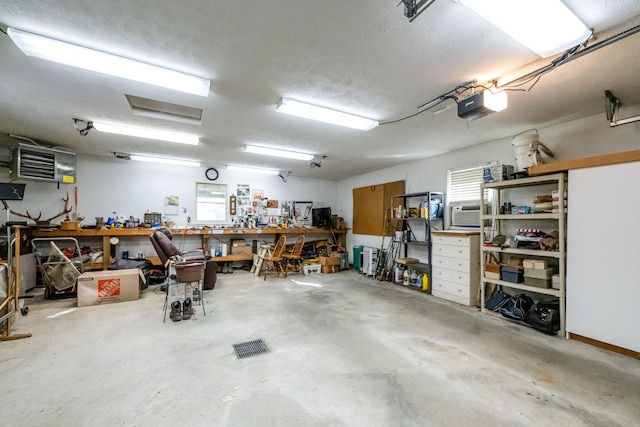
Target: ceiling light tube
pixel 278 153
pixel 547 27
pixel 250 169
pixel 181 138
pixel 313 112
pixel 106 63
pixel 164 160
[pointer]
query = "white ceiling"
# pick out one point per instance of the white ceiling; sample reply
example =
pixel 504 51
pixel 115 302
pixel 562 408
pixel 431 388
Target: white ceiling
pixel 359 56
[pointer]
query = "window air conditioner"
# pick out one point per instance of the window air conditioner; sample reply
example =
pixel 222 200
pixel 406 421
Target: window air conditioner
pixel 465 216
pixel 43 164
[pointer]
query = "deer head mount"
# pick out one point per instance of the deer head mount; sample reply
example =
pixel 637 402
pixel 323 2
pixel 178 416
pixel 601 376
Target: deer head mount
pixel 37 219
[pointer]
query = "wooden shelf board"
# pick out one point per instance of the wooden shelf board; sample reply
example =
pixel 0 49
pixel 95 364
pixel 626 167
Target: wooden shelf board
pixel 532 252
pixel 586 162
pixel 238 257
pixel 522 286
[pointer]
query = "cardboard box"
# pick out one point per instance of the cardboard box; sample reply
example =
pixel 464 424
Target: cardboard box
pixel 238 242
pixel 328 269
pixel 337 222
pixel 496 173
pixel 109 286
pixel 406 261
pixel 240 250
pixel 330 264
pixel 329 260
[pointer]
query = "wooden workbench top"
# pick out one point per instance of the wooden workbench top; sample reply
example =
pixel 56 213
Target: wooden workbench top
pixel 89 232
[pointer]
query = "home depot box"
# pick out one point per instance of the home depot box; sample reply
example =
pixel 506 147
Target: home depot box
pixel 107 286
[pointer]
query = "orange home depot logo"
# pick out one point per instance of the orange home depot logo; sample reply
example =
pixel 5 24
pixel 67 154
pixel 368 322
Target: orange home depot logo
pixel 108 288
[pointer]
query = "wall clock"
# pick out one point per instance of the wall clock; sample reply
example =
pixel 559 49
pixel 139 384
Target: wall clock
pixel 211 174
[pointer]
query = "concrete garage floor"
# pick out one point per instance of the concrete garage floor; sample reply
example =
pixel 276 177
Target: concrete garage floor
pixel 344 351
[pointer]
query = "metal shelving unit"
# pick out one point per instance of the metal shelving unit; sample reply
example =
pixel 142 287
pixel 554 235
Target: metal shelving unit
pixel 424 221
pixel 501 221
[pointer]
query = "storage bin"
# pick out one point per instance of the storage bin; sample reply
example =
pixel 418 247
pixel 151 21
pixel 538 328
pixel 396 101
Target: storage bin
pixel 512 274
pixel 311 269
pixel 538 283
pixel 534 263
pixel 492 268
pixel 491 275
pixel 538 273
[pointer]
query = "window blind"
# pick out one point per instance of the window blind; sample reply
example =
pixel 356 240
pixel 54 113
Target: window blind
pixel 464 186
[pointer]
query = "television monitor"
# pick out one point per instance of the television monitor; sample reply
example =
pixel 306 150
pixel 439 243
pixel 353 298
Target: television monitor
pixel 321 217
pixel 11 191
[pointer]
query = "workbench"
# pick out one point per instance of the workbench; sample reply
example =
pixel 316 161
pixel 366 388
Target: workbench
pixel 205 233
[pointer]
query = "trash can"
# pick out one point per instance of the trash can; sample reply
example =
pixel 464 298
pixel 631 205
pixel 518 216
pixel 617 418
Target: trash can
pixel 357 251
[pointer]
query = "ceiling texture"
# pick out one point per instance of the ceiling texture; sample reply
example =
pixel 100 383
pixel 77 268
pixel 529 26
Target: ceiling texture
pixel 359 56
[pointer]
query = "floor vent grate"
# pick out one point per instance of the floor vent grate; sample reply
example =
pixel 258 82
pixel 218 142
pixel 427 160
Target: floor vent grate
pixel 250 348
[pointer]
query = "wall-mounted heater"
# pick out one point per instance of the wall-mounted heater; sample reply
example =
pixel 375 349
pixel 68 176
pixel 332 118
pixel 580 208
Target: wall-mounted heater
pixel 44 164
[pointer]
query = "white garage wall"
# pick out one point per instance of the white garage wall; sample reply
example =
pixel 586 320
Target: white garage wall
pixel 132 188
pixel 586 137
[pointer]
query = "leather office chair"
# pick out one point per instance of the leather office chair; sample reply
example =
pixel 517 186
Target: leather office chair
pixel 161 241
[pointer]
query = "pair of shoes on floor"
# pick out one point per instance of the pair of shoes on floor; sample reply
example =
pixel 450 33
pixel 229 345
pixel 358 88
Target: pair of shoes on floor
pixel 182 311
pixel 227 269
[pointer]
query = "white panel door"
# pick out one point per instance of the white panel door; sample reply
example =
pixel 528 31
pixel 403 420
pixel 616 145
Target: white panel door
pixel 603 254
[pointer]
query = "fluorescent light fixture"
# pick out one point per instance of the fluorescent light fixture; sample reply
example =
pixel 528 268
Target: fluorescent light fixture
pixel 278 153
pixel 313 112
pixel 547 27
pixel 164 160
pixel 106 63
pixel 181 138
pixel 250 169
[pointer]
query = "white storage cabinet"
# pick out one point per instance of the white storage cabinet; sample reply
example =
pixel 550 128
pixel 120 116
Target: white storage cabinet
pixel 456 266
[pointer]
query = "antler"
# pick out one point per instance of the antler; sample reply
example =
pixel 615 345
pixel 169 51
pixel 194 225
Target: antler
pixel 65 211
pixel 27 215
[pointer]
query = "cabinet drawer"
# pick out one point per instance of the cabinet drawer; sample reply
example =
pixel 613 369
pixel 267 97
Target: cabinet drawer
pixel 451 240
pixel 452 298
pixel 460 252
pixel 457 264
pixel 459 277
pixel 452 291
